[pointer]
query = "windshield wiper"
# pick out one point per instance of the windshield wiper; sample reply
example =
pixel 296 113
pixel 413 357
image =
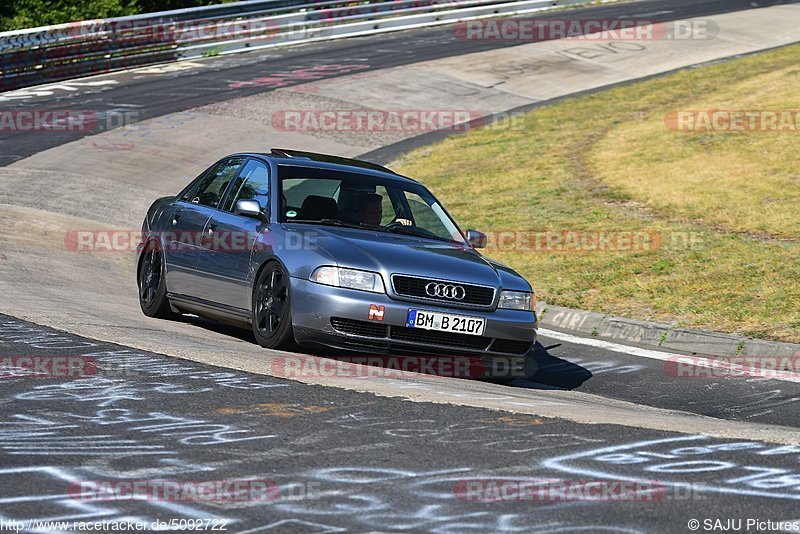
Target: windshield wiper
pixel 329 222
pixel 408 230
pixel 339 222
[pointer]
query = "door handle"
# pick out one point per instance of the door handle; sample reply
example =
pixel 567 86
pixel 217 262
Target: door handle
pixel 176 218
pixel 207 239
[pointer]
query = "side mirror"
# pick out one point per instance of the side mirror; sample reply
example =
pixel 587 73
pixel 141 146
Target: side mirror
pixel 476 239
pixel 249 208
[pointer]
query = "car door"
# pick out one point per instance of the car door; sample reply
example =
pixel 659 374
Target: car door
pixel 229 240
pixel 184 229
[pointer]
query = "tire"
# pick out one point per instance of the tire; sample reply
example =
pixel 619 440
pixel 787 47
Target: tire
pixel 152 282
pixel 271 314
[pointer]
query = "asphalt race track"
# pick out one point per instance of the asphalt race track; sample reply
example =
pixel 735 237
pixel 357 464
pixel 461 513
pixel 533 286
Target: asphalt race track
pixel 347 461
pixel 359 456
pixel 171 92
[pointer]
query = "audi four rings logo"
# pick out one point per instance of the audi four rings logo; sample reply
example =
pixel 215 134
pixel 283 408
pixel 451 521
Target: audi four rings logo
pixel 445 291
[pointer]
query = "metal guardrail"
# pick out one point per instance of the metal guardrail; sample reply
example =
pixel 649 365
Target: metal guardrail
pixel 54 53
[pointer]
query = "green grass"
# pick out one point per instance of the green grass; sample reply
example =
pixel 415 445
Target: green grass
pixel 607 162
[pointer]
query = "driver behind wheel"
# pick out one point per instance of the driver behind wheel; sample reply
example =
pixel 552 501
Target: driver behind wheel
pixel 371 209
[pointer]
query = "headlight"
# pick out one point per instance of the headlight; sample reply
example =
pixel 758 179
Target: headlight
pixel 349 278
pixel 517 300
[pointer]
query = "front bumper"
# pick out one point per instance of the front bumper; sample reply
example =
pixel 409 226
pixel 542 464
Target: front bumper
pixel 340 318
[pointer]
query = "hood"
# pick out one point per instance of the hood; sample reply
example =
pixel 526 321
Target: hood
pixel 400 254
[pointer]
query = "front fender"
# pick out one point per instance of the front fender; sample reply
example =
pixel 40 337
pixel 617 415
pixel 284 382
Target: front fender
pixel 297 253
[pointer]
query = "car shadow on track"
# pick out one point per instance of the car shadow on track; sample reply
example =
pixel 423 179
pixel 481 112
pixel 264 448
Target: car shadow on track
pixel 542 371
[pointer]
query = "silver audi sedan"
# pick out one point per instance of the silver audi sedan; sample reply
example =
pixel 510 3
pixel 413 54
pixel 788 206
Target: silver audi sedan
pixel 321 250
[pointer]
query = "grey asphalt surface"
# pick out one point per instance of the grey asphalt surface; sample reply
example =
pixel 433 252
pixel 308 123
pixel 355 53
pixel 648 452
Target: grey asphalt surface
pixel 346 461
pixel 721 394
pixel 178 91
pixel 369 463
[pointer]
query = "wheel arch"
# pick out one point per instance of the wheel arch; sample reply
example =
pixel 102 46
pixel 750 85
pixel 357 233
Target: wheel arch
pixel 263 265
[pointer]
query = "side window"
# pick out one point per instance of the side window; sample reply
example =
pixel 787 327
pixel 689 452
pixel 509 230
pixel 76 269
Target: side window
pixel 186 193
pixel 210 189
pixel 252 183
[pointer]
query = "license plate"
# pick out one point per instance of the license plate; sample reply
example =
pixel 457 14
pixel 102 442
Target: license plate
pixel 446 322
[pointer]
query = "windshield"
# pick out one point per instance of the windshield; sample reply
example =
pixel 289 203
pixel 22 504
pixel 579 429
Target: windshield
pixel 356 200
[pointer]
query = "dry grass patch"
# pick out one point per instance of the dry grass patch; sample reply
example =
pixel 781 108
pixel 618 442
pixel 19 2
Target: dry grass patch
pixel 607 162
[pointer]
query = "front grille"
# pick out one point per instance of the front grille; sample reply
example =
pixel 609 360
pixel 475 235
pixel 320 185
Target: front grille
pixel 417 335
pixel 411 286
pixel 511 346
pixel 359 328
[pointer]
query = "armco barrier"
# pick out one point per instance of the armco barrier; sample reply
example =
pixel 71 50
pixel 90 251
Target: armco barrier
pixel 54 53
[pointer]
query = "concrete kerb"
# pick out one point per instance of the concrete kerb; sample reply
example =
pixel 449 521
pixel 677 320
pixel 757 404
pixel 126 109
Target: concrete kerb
pixel 662 336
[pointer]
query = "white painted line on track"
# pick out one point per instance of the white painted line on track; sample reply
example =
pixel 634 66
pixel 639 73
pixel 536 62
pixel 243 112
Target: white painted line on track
pixel 721 366
pixel 608 345
pixel 649 14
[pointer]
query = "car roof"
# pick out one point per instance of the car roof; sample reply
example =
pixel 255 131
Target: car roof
pixel 300 158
